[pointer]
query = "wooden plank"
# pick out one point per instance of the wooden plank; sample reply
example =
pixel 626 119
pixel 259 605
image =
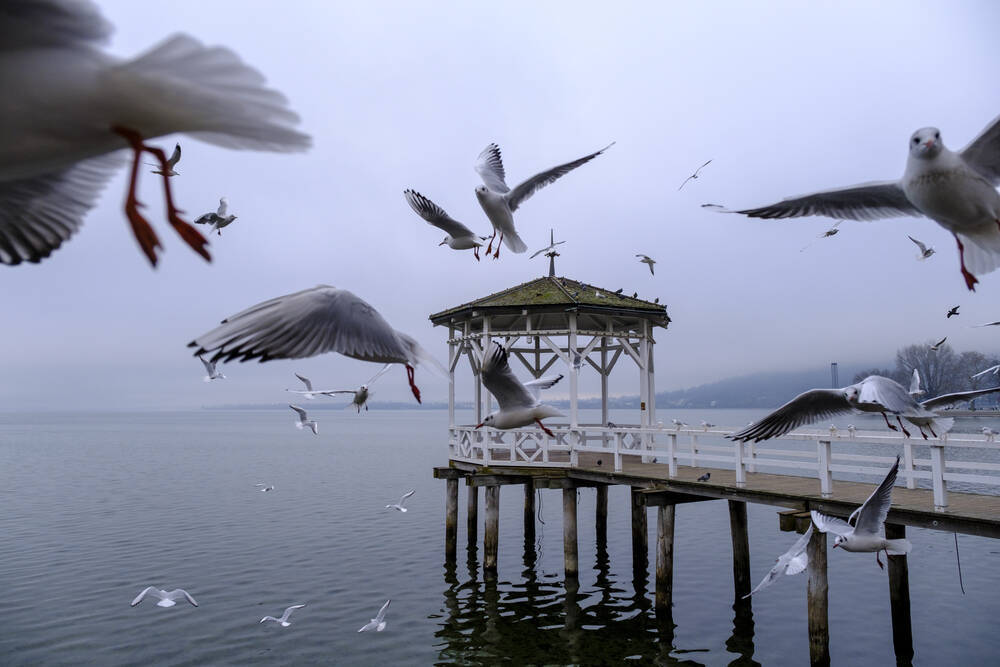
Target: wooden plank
pixel 601 514
pixel 529 514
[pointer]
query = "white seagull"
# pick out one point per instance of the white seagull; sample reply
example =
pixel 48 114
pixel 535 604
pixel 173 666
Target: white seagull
pixel 218 219
pixel 167 598
pixel 992 369
pixel 378 623
pixel 283 621
pixel 989 324
pixel 706 425
pixel 915 389
pixel 267 487
pixel 550 247
pixel 459 237
pixel 862 532
pixel 956 190
pixel 646 259
pixel 304 420
pixel 925 252
pixel 694 175
pixel 361 394
pixel 310 322
pixel 791 562
pixel 678 424
pixel 990 434
pixel 832 231
pixel 399 506
pixel 937 346
pixel 168 169
pixel 213 373
pixel 85 104
pixel 499 201
pixel 519 402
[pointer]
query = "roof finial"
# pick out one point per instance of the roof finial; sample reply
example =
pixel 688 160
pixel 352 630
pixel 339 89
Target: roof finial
pixel 551 254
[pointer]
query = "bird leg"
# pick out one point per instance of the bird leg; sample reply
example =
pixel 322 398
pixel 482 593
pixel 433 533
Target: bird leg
pixel 970 280
pixel 413 387
pixel 905 432
pixel 141 228
pixel 489 247
pixel 880 566
pixel 496 255
pixel 542 426
pixel 887 422
pixel 475 251
pixel 924 435
pixel 931 429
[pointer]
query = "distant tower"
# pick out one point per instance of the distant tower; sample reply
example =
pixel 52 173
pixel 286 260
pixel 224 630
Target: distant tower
pixel 834 375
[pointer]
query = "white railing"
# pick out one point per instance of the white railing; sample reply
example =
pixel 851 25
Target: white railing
pixel 963 458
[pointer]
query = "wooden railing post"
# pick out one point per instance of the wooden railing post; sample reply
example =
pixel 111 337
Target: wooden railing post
pixel 640 533
pixel 472 517
pixel 741 548
pixel 618 451
pixel 823 465
pixel 911 482
pixel 937 476
pixel 570 553
pixel 741 469
pixel 491 541
pixel 672 453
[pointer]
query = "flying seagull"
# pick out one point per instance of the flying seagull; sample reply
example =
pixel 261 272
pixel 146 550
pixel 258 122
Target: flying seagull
pixel 925 252
pixel 57 143
pixel 915 389
pixel 952 311
pixel 989 324
pixel 551 246
pixel 378 623
pixel 694 175
pixel 992 369
pixel 360 395
pixel 937 346
pixel 266 487
pixel 168 169
pixel 646 259
pixel 304 421
pixel 863 530
pixel 791 562
pixel 213 374
pixel 519 402
pixel 283 621
pixel 167 598
pixel 832 231
pixel 218 219
pixel 956 190
pixel 399 506
pixel 459 237
pixel 499 201
pixel 310 322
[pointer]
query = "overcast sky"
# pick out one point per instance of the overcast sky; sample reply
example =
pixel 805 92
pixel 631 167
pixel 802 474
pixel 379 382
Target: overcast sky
pixel 784 98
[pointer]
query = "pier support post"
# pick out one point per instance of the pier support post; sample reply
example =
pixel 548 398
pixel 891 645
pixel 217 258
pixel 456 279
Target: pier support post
pixel 472 518
pixel 640 533
pixel 741 548
pixel 570 554
pixel 819 628
pixel 529 513
pixel 601 514
pixel 451 521
pixel 491 540
pixel 664 556
pixel 899 599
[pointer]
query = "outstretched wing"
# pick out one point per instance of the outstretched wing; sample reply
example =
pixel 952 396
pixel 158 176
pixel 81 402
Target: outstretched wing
pixel 983 153
pixel 302 413
pixel 28 24
pixel 536 386
pixel 435 215
pixel 489 166
pixel 140 596
pixel 288 612
pixel 380 616
pixel 946 400
pixel 529 187
pixel 920 245
pixel 175 158
pixel 868 201
pixel 305 381
pixel 502 383
pixel 805 408
pixel 831 524
pixel 871 515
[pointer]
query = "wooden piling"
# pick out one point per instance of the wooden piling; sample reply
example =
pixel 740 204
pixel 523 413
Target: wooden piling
pixel 529 513
pixel 640 533
pixel 570 554
pixel 472 518
pixel 741 548
pixel 601 513
pixel 491 540
pixel 819 628
pixel 899 599
pixel 451 521
pixel 664 556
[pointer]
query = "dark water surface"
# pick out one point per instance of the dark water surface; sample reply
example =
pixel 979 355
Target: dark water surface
pixel 97 506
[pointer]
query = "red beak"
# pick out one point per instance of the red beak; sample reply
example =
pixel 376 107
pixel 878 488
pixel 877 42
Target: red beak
pixel 479 425
pixel 835 545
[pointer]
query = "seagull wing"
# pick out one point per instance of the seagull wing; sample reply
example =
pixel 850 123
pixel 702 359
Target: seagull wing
pixel 307 323
pixel 187 596
pixel 940 342
pixel 797 556
pixel 502 383
pixel 805 408
pixel 536 386
pixel 140 596
pixel 288 612
pixel 436 215
pixel 381 372
pixel 983 153
pixel 175 157
pixel 831 524
pixel 209 366
pixel 405 496
pixel 915 383
pixel 887 394
pixel 920 245
pixel 223 205
pixel 380 616
pixel 489 166
pixel 305 381
pixel 519 194
pixel 868 201
pixel 28 24
pixel 871 515
pixel 991 369
pixel 946 400
pixel 302 413
pixel 545 249
pixel 207 219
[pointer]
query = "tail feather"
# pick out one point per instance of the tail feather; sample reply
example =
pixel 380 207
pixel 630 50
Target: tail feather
pixel 943 424
pixel 982 251
pixel 514 242
pixel 898 547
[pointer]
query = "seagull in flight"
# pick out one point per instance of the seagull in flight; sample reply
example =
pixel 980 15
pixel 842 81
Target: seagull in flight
pixel 399 506
pixel 694 176
pixel 361 394
pixel 519 402
pixel 304 421
pixel 267 487
pixel 955 189
pixel 952 311
pixel 459 237
pixel 915 389
pixel 989 324
pixel 499 201
pixel 832 231
pixel 925 252
pixel 863 530
pixel 552 244
pixel 283 621
pixel 646 259
pixel 218 219
pixel 937 346
pixel 311 322
pixel 791 562
pixel 59 144
pixel 167 598
pixel 378 623
pixel 213 374
pixel 168 169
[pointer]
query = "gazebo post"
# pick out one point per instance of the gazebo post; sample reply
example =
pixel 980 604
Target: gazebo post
pixel 452 361
pixel 573 373
pixel 488 397
pixel 650 372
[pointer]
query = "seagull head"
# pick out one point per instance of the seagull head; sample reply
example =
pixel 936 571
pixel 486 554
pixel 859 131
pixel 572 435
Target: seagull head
pixel 852 393
pixel 487 421
pixel 445 242
pixel 839 541
pixel 925 143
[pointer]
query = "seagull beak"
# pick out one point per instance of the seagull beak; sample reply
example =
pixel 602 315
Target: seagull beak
pixel 442 243
pixel 479 424
pixel 835 545
pixel 928 144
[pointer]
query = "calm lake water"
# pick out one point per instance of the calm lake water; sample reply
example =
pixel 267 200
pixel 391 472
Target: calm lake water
pixel 95 507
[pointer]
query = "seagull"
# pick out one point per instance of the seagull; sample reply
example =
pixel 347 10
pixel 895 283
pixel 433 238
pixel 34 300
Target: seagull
pixel 58 144
pixel 304 420
pixel 619 290
pixel 283 621
pixel 519 402
pixel 706 425
pixel 953 311
pixel 267 487
pixel 360 395
pixel 865 533
pixel 167 599
pixel 915 389
pixel 459 237
pixel 168 169
pixel 956 190
pixel 219 219
pixel 552 244
pixel 992 369
pixel 308 394
pixel 925 252
pixel 936 346
pixel 577 361
pixel 832 231
pixel 378 623
pixel 694 175
pixel 213 374
pixel 990 434
pixel 875 393
pixel 989 324
pixel 499 201
pixel 791 562
pixel 705 477
pixel 399 505
pixel 310 322
pixel 678 423
pixel 646 259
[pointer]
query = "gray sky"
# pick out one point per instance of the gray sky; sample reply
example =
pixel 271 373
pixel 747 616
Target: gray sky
pixel 785 99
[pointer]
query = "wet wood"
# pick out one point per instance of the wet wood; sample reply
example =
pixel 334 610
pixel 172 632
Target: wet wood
pixel 491 540
pixel 817 598
pixel 472 516
pixel 899 599
pixel 664 556
pixel 640 532
pixel 741 548
pixel 601 514
pixel 529 513
pixel 570 554
pixel 451 520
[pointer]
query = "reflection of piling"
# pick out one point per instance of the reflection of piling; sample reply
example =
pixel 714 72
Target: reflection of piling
pixel 529 512
pixel 741 548
pixel 472 518
pixel 570 554
pixel 601 513
pixel 451 520
pixel 640 533
pixel 664 556
pixel 899 599
pixel 491 540
pixel 819 629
